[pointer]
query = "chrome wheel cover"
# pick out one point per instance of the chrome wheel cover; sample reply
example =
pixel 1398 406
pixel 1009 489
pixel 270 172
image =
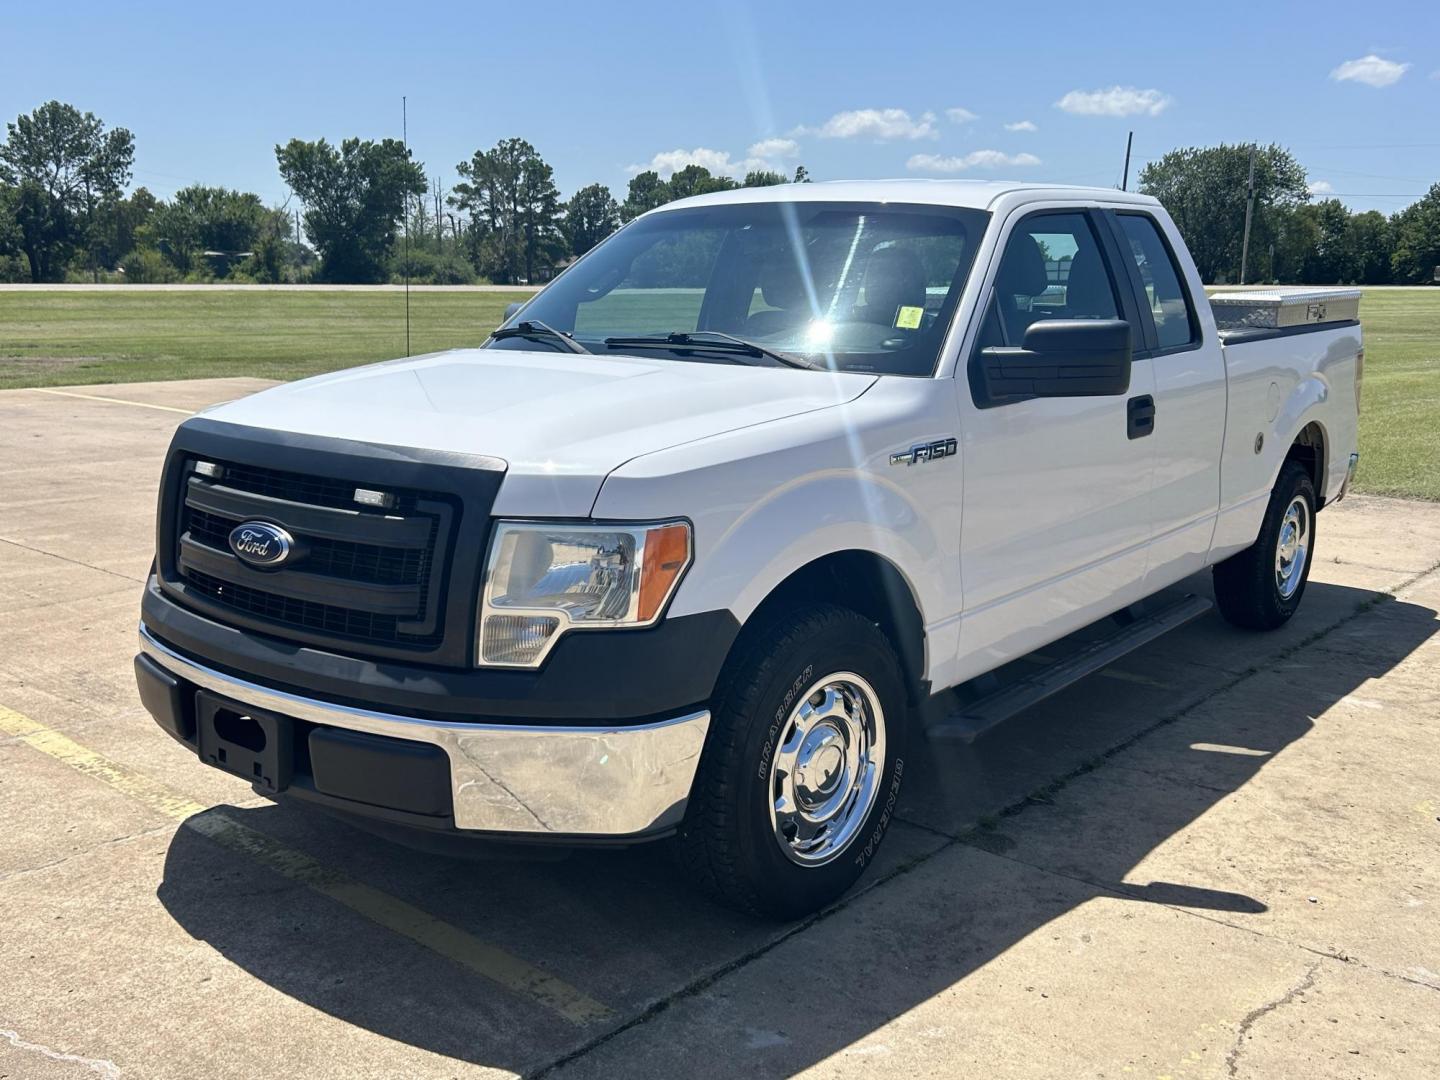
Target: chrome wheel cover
pixel 827 770
pixel 1292 549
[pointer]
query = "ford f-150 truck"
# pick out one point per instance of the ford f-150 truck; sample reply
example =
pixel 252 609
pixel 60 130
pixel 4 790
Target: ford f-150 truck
pixel 738 516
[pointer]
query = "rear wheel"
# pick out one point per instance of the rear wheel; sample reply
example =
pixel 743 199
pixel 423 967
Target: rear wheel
pixel 1260 588
pixel 802 768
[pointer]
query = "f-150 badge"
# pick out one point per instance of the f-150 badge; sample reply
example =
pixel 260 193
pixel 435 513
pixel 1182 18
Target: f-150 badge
pixel 922 452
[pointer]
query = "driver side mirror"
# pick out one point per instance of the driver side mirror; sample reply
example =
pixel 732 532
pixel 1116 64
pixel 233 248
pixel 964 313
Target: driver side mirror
pixel 511 309
pixel 1060 358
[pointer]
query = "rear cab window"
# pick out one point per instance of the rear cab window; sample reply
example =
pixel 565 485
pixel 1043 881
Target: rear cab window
pixel 1164 290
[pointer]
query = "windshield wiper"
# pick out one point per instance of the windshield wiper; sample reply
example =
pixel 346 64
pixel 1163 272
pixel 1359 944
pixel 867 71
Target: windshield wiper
pixel 534 328
pixel 716 340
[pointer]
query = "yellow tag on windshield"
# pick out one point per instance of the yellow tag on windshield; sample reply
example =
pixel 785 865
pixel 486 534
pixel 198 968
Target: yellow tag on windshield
pixel 908 318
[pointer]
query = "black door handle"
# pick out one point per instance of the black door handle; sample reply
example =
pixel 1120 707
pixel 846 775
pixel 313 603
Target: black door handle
pixel 1140 416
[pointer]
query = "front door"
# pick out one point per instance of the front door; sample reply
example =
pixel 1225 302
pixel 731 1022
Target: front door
pixel 1056 518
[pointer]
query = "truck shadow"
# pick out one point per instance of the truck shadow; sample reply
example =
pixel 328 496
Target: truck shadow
pixel 624 931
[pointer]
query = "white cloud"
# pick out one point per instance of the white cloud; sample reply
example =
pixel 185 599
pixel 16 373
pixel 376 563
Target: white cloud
pixel 765 154
pixel 671 161
pixel 1115 101
pixel 960 116
pixel 774 148
pixel 1320 187
pixel 981 159
pixel 879 124
pixel 1371 70
pixel 1021 125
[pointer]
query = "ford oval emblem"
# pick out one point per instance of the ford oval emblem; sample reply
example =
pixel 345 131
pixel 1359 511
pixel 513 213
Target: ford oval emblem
pixel 261 544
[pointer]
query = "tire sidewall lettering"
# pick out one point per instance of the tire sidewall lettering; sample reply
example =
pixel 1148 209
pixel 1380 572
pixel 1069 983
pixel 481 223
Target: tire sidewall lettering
pixel 882 823
pixel 777 724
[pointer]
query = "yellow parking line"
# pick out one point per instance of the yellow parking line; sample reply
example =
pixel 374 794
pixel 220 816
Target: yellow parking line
pixel 379 907
pixel 112 400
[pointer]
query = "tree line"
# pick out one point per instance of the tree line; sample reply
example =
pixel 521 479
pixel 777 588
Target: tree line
pixel 1294 239
pixel 366 211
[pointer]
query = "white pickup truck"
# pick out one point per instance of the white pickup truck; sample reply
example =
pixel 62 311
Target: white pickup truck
pixel 730 521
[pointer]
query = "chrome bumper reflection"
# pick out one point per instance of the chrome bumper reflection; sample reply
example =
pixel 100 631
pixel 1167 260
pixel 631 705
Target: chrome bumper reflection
pixel 570 781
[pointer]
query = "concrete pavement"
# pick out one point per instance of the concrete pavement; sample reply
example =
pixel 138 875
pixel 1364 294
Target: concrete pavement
pixel 1220 857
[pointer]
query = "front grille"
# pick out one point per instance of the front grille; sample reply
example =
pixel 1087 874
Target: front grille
pixel 382 587
pixel 299 488
pixel 305 614
pixel 370 563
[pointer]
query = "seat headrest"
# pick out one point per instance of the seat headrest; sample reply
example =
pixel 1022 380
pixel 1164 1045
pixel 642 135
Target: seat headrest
pixel 894 278
pixel 780 282
pixel 1022 271
pixel 1087 289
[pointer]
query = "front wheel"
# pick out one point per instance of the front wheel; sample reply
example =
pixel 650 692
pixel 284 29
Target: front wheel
pixel 802 769
pixel 1260 588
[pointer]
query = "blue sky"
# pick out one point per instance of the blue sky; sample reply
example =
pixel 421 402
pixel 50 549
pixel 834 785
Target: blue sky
pixel 851 90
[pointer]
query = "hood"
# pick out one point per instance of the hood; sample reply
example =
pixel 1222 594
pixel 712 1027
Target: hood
pixel 562 422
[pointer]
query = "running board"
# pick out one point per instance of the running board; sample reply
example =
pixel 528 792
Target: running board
pixel 977 717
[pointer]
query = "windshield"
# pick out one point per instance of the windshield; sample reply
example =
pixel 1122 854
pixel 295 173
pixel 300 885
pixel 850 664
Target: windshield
pixel 852 286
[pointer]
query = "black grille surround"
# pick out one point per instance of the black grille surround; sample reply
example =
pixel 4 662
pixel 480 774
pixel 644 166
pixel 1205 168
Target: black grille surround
pixel 398 582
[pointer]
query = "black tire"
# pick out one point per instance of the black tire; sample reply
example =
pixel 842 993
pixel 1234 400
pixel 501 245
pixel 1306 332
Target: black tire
pixel 1246 585
pixel 728 843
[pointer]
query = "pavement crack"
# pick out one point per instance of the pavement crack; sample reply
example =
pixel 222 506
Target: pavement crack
pixel 26 871
pixel 98 1066
pixel 1232 1059
pixel 706 980
pixel 931 829
pixel 73 562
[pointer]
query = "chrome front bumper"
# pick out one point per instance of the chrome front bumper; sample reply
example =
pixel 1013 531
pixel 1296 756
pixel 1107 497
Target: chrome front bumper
pixel 556 781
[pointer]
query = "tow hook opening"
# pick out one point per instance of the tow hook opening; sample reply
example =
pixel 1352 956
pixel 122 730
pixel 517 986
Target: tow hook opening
pixel 244 731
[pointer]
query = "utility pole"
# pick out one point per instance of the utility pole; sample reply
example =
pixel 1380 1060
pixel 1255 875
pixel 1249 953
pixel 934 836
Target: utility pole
pixel 405 141
pixel 1249 213
pixel 1125 182
pixel 439 221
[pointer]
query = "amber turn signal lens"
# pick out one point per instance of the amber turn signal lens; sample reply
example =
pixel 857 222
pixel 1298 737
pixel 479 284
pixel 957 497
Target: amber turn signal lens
pixel 667 551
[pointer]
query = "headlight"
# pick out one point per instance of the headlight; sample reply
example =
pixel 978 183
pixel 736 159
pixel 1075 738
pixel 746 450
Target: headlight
pixel 544 579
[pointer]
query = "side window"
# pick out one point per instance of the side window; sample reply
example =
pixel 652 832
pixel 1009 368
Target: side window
pixel 1052 268
pixel 1175 324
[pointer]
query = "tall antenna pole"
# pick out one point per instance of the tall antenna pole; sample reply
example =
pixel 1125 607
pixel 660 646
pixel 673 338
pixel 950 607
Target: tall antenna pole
pixel 1249 212
pixel 405 141
pixel 1125 182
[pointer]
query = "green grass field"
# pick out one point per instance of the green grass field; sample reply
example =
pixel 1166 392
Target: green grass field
pixel 1400 402
pixel 68 338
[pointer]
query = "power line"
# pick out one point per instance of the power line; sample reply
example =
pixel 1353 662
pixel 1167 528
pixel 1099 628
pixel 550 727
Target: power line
pixel 1367 175
pixel 1367 195
pixel 1366 146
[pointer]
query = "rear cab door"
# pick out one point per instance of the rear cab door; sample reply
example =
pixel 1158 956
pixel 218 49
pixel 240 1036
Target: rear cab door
pixel 1187 363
